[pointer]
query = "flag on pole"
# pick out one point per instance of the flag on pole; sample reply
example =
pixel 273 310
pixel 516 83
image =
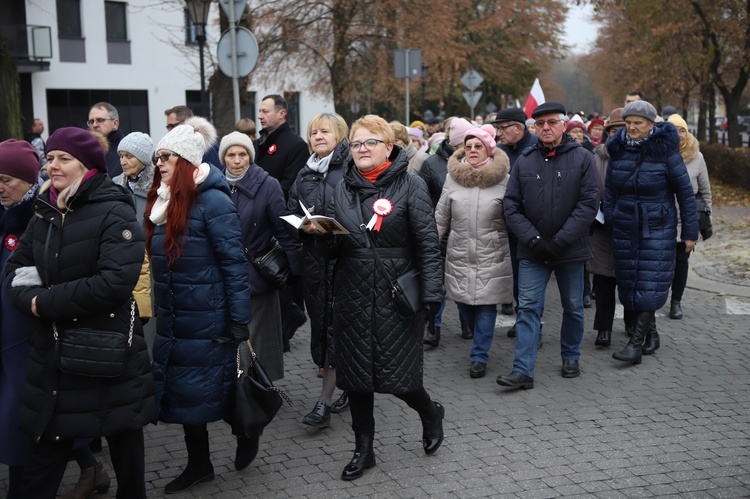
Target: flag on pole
pixel 535 98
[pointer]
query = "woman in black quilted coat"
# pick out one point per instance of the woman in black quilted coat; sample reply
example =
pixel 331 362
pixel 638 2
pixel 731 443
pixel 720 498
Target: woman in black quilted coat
pixel 380 204
pixel 76 267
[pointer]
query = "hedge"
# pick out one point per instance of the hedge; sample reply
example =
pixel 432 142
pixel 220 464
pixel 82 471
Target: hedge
pixel 731 166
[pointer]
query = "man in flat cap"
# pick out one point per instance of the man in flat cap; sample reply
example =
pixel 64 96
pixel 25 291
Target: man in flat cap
pixel 550 202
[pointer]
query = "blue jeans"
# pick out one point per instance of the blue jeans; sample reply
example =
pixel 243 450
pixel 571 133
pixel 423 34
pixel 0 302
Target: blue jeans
pixel 533 278
pixel 481 320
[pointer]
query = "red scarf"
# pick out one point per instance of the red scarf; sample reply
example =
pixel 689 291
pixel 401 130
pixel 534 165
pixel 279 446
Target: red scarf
pixel 373 174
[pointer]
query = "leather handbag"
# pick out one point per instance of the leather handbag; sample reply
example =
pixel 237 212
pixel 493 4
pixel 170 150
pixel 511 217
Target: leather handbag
pixel 256 400
pixel 94 352
pixel 273 265
pixel 407 294
pixel 704 217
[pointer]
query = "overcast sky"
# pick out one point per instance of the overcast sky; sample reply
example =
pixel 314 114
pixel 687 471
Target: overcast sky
pixel 580 30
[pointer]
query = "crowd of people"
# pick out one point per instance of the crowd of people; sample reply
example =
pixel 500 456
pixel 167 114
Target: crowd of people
pixel 104 231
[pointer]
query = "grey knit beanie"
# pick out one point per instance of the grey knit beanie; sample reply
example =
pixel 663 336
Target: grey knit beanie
pixel 139 145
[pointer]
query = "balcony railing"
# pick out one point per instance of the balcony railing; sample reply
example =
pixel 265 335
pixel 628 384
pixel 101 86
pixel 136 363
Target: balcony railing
pixel 29 45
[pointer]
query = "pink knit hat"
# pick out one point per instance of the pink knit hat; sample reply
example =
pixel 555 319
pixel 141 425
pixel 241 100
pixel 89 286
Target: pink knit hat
pixel 458 129
pixel 486 133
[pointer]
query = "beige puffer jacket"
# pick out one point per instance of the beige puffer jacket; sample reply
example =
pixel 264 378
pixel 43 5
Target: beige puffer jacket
pixel 470 210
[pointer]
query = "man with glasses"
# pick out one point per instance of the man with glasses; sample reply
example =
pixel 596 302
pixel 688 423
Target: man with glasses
pixel 512 138
pixel 104 119
pixel 176 116
pixel 550 203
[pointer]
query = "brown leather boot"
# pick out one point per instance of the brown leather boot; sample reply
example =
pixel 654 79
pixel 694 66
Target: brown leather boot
pixel 91 479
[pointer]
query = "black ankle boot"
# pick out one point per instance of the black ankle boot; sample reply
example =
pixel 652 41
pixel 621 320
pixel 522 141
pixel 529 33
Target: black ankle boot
pixel 466 333
pixel 604 338
pixel 632 352
pixel 363 459
pixel 432 429
pixel 675 310
pixel 319 417
pixel 247 449
pixel 651 344
pixel 199 468
pixel 432 339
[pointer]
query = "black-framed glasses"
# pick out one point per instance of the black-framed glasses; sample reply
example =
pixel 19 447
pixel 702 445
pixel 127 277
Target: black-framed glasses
pixel 504 127
pixel 98 121
pixel 170 126
pixel 551 123
pixel 164 157
pixel 369 144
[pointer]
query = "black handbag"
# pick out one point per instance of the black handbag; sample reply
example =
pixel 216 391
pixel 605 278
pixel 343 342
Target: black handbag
pixel 273 265
pixel 406 289
pixel 704 217
pixel 256 400
pixel 94 352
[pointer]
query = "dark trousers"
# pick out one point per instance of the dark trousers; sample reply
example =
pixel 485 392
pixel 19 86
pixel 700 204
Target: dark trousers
pixel 48 459
pixel 362 404
pixel 513 243
pixel 604 289
pixel 679 281
pixel 586 283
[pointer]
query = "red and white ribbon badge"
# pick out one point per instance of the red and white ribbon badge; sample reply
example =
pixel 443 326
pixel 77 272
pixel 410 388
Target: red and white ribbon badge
pixel 382 208
pixel 272 149
pixel 11 242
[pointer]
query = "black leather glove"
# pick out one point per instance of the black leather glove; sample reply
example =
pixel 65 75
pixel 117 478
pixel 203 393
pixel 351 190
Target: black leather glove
pixel 431 310
pixel 544 250
pixel 239 332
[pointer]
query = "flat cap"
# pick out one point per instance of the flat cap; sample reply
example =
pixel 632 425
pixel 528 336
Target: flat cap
pixel 511 114
pixel 547 108
pixel 432 121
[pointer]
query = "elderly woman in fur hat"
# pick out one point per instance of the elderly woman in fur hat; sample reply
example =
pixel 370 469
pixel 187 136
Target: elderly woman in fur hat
pixel 698 173
pixel 478 273
pixel 201 291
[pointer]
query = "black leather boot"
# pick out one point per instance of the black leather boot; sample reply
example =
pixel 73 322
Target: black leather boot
pixel 675 310
pixel 604 338
pixel 651 344
pixel 432 429
pixel 247 449
pixel 632 351
pixel 319 417
pixel 199 468
pixel 432 339
pixel 363 459
pixel 466 333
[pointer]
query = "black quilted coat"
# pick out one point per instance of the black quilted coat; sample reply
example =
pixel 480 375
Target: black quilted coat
pixel 89 261
pixel 376 351
pixel 315 190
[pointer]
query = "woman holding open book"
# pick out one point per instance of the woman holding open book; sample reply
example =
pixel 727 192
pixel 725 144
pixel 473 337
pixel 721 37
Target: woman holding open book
pixel 326 138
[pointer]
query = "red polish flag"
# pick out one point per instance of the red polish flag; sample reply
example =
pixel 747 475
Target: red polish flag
pixel 535 98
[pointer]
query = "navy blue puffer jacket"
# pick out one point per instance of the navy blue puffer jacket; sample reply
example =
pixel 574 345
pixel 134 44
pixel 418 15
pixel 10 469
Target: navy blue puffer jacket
pixel 639 209
pixel 204 290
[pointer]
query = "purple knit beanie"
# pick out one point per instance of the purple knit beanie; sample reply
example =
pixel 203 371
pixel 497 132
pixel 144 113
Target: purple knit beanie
pixel 80 144
pixel 18 159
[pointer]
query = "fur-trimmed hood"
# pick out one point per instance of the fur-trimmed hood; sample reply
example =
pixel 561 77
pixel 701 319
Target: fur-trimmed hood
pixel 663 142
pixel 691 148
pixel 483 177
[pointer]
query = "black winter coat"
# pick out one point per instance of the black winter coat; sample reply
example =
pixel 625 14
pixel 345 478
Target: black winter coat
pixel 555 197
pixel 514 151
pixel 89 260
pixel 282 153
pixel 435 169
pixel 376 351
pixel 315 190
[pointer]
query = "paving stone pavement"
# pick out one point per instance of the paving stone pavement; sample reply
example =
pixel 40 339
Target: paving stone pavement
pixel 677 425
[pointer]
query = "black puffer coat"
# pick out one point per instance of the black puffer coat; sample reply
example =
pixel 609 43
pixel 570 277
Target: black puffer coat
pixel 376 351
pixel 89 260
pixel 435 169
pixel 315 190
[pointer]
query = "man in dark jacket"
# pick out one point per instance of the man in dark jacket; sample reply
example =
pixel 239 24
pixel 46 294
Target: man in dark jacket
pixel 513 138
pixel 104 118
pixel 550 202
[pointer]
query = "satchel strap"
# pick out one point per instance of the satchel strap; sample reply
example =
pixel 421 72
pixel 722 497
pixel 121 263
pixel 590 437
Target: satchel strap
pixel 253 358
pixel 130 331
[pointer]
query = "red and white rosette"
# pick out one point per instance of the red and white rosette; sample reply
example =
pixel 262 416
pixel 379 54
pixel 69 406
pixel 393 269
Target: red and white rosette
pixel 382 207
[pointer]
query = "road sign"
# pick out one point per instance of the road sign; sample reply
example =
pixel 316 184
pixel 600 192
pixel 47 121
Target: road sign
pixel 471 79
pixel 407 63
pixel 247 53
pixel 237 5
pixel 472 98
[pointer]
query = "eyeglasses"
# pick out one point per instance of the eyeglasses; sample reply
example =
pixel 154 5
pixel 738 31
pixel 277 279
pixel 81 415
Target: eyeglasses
pixel 551 123
pixel 164 157
pixel 476 147
pixel 170 126
pixel 500 127
pixel 98 121
pixel 369 144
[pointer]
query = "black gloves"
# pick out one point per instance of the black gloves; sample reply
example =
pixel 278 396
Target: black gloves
pixel 431 310
pixel 546 250
pixel 239 332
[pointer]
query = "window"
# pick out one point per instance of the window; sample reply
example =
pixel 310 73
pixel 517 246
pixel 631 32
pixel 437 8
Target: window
pixel 71 108
pixel 115 16
pixel 69 19
pixel 292 111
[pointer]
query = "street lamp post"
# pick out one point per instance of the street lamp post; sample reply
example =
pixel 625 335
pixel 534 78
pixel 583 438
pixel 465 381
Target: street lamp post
pixel 425 67
pixel 198 12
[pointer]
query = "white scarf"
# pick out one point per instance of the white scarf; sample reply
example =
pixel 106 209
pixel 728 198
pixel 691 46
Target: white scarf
pixel 159 210
pixel 318 164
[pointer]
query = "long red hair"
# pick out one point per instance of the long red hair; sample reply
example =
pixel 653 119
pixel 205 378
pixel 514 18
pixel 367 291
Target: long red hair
pixel 183 193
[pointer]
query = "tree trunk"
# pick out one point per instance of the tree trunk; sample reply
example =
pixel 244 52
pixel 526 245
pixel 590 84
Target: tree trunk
pixel 10 97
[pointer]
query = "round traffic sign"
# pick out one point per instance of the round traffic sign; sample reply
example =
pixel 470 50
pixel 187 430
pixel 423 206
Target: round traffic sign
pixel 247 52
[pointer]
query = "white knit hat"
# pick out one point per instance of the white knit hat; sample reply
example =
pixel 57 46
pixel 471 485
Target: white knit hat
pixel 236 139
pixel 190 140
pixel 139 145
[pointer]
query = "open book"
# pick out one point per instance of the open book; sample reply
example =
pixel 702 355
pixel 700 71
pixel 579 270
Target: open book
pixel 320 222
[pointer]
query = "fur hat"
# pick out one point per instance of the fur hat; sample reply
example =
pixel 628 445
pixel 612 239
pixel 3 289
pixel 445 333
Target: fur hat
pixel 485 133
pixel 417 133
pixel 190 140
pixel 236 139
pixel 80 144
pixel 458 129
pixel 19 160
pixel 139 145
pixel 677 121
pixel 594 122
pixel 547 108
pixel 640 108
pixel 615 119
